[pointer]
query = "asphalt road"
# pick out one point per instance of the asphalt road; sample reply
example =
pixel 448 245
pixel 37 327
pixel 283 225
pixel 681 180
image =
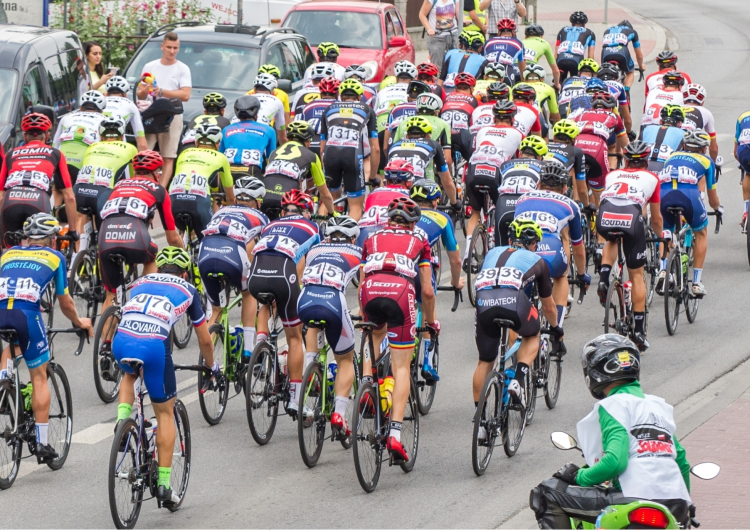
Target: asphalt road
pixel 236 483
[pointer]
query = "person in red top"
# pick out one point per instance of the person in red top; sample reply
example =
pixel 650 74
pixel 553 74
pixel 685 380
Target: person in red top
pixel 399 175
pixel 125 219
pixel 527 118
pixel 392 259
pixel 457 109
pixel 665 61
pixel 30 173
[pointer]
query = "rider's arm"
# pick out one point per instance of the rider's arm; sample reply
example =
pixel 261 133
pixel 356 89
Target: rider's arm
pixel 683 463
pixel 442 168
pixel 67 191
pixel 708 185
pixel 138 130
pixel 58 133
pixel 614 461
pixel 205 344
pixel 227 181
pixel 428 294
pixel 627 120
pixel 167 220
pixel 319 179
pixel 592 45
pixel 67 305
pixel 638 52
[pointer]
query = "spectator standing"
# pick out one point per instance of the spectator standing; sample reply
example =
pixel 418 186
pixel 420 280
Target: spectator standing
pixel 496 10
pixel 172 79
pixel 441 21
pixel 99 79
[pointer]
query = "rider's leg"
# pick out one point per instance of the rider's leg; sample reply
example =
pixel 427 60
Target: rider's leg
pixel 165 436
pixel 355 207
pixel 480 374
pixel 638 297
pixel 609 255
pixel 127 396
pixel 342 386
pixel 249 310
pixel 294 359
pixel 40 395
pixel 746 192
pixel 700 247
pixel 526 355
pixel 400 361
pixel 471 224
pixel 378 336
pixel 262 325
pixel 311 346
pixel 560 289
pixel 629 78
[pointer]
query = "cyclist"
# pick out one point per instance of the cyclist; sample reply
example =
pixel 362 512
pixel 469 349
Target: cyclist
pixel 483 115
pixel 615 49
pixel 687 176
pixel 271 108
pixel 742 155
pixel 658 98
pixel 560 221
pixel 248 143
pixel 157 302
pixel 467 58
pixel 279 263
pixel 518 175
pixel 625 196
pixel 546 97
pixel 362 74
pixel 493 73
pixel 610 74
pixel 699 117
pixel 200 171
pixel 666 61
pixel 343 128
pixel 535 47
pixel 226 251
pixel 527 117
pixel 637 462
pixel 457 110
pixel 389 97
pixel 310 92
pixel 79 129
pixel 125 219
pixel 494 146
pixel 30 173
pixel 328 55
pixel 274 71
pixel 214 105
pixel 507 50
pixel 575 86
pixel 330 267
pixel 428 107
pixel 391 261
pixel 582 100
pixel 118 105
pixel 563 149
pixel 574 43
pixel 428 73
pixel 313 111
pixel 399 175
pixel 404 110
pixel 504 291
pixel 665 138
pixel 294 166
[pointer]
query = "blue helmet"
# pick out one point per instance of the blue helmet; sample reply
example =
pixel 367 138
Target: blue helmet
pixel 596 85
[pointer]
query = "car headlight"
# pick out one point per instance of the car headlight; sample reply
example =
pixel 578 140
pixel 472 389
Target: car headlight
pixel 372 67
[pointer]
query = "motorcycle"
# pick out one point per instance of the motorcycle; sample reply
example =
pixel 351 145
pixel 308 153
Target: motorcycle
pixel 637 514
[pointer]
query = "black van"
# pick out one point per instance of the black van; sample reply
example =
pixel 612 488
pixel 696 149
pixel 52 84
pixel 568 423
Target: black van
pixel 38 66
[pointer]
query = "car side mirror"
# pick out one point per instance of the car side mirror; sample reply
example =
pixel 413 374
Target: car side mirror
pixel 285 85
pixel 397 42
pixel 563 440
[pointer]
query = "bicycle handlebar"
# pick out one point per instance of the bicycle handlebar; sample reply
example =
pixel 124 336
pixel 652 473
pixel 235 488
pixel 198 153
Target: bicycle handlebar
pixel 719 219
pixel 428 329
pixel 579 283
pixel 82 334
pixel 640 71
pixel 194 368
pixel 458 295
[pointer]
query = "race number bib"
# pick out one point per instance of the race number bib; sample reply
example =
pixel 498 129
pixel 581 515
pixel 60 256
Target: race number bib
pixel 326 275
pixel 250 157
pixel 576 48
pixel 457 119
pixel 546 221
pixel 26 289
pixel 488 154
pixel 36 179
pixel 518 184
pixel 342 137
pixel 375 216
pixel 662 153
pixel 744 137
pixel 132 206
pixel 483 120
pixel 189 183
pixel 286 168
pixel 622 190
pixel 682 174
pixel 529 55
pixel 98 176
pixel 392 262
pixel 158 307
pixel 615 39
pixel 285 245
pixel 499 277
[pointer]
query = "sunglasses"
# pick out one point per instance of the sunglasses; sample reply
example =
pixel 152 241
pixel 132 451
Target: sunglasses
pixel 292 209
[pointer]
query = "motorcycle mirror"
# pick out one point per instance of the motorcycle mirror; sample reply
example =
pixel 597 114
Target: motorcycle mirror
pixel 705 470
pixel 564 441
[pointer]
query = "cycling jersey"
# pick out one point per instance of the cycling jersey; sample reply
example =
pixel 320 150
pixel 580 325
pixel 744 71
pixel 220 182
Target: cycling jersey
pixel 127 111
pixel 527 119
pixel 596 155
pixel 375 214
pixel 545 95
pixel 664 141
pixel 482 117
pixel 654 81
pixel 37 165
pixel 332 265
pixel 552 211
pixel 399 113
pixel 295 161
pixel 655 101
pixel 570 156
pixel 290 236
pixel 271 111
pixel 699 118
pixel 395 251
pixel 572 88
pixel 312 114
pixel 618 92
pixel 75 133
pixel 631 186
pixel 680 180
pixel 339 72
pixel 615 47
pixel 140 197
pixel 457 111
pixel 239 223
pixel 496 144
pixel 504 50
pixel 304 97
pixel 534 48
pixel 277 92
pixel 198 172
pixel 601 123
pixel 388 98
pixel 106 163
pixel 422 153
pixel 520 175
pixel 248 143
pixel 435 225
pixel 458 61
pixel 188 139
pixel 515 269
pixel 742 130
pixel 574 41
pixel 441 131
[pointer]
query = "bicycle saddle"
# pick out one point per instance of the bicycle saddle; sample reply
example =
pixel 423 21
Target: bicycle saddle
pixel 266 298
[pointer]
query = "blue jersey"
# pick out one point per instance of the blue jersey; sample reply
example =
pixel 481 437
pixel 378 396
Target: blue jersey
pixel 552 211
pixel 332 265
pixel 618 92
pixel 248 143
pixel 742 131
pixel 435 225
pixel 399 113
pixel 575 40
pixel 241 223
pixel 291 236
pixel 620 36
pixel 25 273
pixel 514 268
pixel 683 171
pixel 312 114
pixel 457 61
pixel 504 50
pixel 665 140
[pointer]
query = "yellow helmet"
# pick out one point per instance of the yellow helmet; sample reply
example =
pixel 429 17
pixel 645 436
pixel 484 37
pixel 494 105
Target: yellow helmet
pixel 418 122
pixel 588 64
pixel 536 144
pixel 567 128
pixel 351 85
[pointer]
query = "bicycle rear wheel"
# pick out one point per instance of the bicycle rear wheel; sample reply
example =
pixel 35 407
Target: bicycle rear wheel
pixel 553 376
pixel 107 372
pixel 12 446
pixel 60 414
pixel 425 391
pixel 486 423
pixel 213 401
pixel 531 389
pixel 410 430
pixel 477 253
pixel 651 270
pixel 47 304
pixel 125 488
pixel 614 307
pixel 261 400
pixel 673 291
pixel 82 283
pixel 514 424
pixel 180 456
pixel 368 441
pixel 311 426
pixel 691 302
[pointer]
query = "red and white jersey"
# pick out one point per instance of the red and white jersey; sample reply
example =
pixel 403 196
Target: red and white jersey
pixel 655 101
pixel 395 250
pixel 631 186
pixel 494 145
pixel 699 118
pixel 482 117
pixel 527 119
pixel 384 196
pixel 602 123
pixel 653 81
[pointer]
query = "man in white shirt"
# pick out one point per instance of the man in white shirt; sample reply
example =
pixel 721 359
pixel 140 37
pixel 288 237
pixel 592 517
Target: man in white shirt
pixel 170 79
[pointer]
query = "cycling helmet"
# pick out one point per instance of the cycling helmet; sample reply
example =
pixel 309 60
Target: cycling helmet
pixel 405 69
pixel 112 127
pixel 41 225
pixel 214 100
pixel 118 84
pixel 535 144
pixel 534 69
pixel 330 85
pixel 595 86
pixel 173 256
pixel 342 224
pixel 524 91
pixel 673 78
pixel 267 81
pixel 35 122
pixel 246 107
pixel 567 128
pixel 588 65
pixel 209 132
pixel 404 208
pixel 694 93
pixel 351 87
pixel 697 138
pixel 672 114
pixel 354 69
pixel 399 170
pixel 429 101
pixel 608 72
pixel 147 161
pixel 270 69
pixel 506 24
pixel 554 174
pixel 609 358
pixel 496 70
pixel 471 39
pixel 299 129
pixel 626 23
pixel 425 190
pixel 328 49
pixel 603 101
pixel 319 71
pixel 427 69
pixel 637 150
pixel 297 198
pixel 249 186
pixel 465 78
pixel 417 88
pixel 666 58
pixel 504 109
pixel 534 30
pixel 497 91
pixel 95 99
pixel 525 232
pixel 418 123
pixel 578 17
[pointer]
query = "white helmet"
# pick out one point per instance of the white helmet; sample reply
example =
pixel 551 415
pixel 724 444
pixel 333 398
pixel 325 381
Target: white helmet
pixel 405 68
pixel 321 71
pixel 267 81
pixel 497 69
pixel 694 93
pixel 344 224
pixel 113 123
pixel 249 186
pixel 209 131
pixel 535 69
pixel 355 69
pixel 94 97
pixel 429 101
pixel 118 83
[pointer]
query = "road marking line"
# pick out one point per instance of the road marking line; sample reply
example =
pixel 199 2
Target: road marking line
pixel 94 434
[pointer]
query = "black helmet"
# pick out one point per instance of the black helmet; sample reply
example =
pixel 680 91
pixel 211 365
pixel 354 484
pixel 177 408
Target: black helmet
pixel 417 88
pixel 608 72
pixel 534 30
pixel 498 91
pixel 626 23
pixel 554 174
pixel 666 57
pixel 504 109
pixel 246 107
pixel 579 17
pixel 609 358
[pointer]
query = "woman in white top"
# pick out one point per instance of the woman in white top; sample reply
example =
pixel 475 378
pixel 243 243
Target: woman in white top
pixel 440 21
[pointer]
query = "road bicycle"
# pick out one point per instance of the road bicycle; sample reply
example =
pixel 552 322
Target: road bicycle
pixel 17 418
pixel 85 285
pixel 183 328
pixel 483 239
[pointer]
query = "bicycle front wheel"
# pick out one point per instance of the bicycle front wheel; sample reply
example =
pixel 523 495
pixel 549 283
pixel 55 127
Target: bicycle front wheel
pixel 425 390
pixel 410 430
pixel 477 253
pixel 691 302
pixel 107 372
pixel 126 483
pixel 368 441
pixel 486 423
pixel 12 446
pixel 180 456
pixel 614 308
pixel 213 401
pixel 311 421
pixel 261 399
pixel 673 291
pixel 60 414
pixel 82 283
pixel 553 376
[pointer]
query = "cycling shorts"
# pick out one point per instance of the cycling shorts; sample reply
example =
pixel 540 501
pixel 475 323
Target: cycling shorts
pixel 73 171
pixel 596 160
pixel 238 171
pixel 277 274
pixel 481 175
pixel 461 142
pixel 345 166
pixel 505 211
pixel 568 65
pixel 552 251
pixel 693 209
pixel 222 255
pixel 508 304
pixel 158 368
pixel 389 299
pixel 32 337
pixel 92 199
pixel 743 153
pixel 276 186
pixel 20 203
pixel 628 220
pixel 619 55
pixel 655 166
pixel 128 237
pixel 324 303
pixel 197 208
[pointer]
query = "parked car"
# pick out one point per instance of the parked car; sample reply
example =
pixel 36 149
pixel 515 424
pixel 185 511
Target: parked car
pixel 38 66
pixel 367 33
pixel 225 58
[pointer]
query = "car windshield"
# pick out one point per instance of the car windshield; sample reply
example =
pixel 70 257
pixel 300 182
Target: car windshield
pixel 346 28
pixel 7 92
pixel 212 66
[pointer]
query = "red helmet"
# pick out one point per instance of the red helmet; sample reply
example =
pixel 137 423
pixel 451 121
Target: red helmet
pixel 38 122
pixel 506 24
pixel 297 198
pixel 406 208
pixel 329 85
pixel 399 170
pixel 148 161
pixel 464 78
pixel 427 69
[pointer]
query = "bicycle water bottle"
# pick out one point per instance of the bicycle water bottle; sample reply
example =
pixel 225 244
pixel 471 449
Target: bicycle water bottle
pixel 152 438
pixel 236 342
pixel 688 238
pixel 685 260
pixel 627 286
pixel 332 370
pixel 510 373
pixel 282 360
